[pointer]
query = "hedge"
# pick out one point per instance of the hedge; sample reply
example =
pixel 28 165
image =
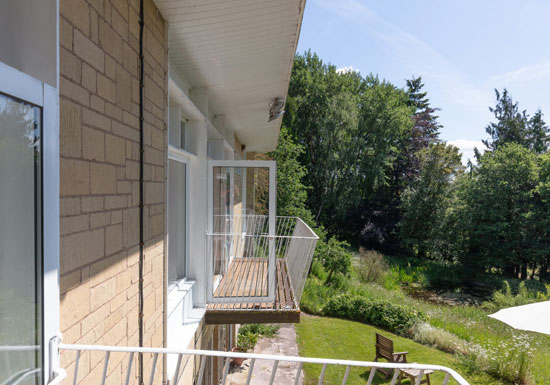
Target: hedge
pixel 395 318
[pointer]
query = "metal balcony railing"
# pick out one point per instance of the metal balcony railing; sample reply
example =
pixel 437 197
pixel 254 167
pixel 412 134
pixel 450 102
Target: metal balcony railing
pixel 199 364
pixel 247 264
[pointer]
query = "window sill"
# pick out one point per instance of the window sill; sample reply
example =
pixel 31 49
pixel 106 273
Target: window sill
pixel 178 293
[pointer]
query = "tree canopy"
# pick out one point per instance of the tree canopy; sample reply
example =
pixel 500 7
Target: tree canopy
pixel 361 159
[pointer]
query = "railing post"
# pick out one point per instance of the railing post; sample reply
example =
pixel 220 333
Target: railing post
pixel 54 369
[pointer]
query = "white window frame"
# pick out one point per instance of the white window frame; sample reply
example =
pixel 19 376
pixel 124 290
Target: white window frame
pixel 28 89
pixel 272 212
pixel 181 156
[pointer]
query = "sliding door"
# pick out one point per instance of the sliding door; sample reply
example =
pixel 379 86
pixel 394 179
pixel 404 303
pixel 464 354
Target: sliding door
pixel 21 357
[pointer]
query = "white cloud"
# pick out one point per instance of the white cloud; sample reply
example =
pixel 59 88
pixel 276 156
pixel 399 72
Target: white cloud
pixel 532 72
pixel 345 70
pixel 466 147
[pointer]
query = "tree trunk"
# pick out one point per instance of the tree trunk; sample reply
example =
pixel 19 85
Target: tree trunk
pixel 509 271
pixel 524 271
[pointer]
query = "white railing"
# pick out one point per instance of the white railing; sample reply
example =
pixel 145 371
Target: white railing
pixel 258 258
pixel 202 355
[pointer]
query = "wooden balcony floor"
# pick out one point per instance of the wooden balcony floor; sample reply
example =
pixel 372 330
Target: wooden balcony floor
pixel 247 277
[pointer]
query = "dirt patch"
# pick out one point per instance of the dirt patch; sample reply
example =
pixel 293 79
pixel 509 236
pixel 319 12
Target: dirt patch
pixel 282 344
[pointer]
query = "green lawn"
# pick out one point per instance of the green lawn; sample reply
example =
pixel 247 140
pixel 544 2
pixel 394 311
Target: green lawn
pixel 336 338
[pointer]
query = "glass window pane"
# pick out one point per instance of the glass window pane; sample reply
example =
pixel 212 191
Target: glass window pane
pixel 20 244
pixel 176 221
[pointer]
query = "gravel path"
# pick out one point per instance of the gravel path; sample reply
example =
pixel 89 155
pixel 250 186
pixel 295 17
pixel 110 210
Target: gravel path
pixel 284 343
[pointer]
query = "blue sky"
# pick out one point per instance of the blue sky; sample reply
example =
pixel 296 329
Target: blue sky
pixel 462 49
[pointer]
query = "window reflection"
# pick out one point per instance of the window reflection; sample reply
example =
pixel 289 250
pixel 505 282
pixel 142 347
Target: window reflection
pixel 20 243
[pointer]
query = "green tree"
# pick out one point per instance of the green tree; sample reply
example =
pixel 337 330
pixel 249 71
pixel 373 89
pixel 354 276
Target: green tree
pixel 541 219
pixel 515 126
pixel 350 128
pixel 426 199
pixel 499 204
pixel 334 257
pixel 291 191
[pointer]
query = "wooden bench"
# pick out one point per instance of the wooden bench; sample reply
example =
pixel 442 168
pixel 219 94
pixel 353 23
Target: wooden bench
pixel 384 349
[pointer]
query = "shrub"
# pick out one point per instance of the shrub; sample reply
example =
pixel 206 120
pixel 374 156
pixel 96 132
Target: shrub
pixel 318 271
pixel 505 298
pixel 334 257
pixel 263 330
pixel 249 334
pixel 315 296
pixel 371 266
pixel 246 341
pixel 440 339
pixel 395 318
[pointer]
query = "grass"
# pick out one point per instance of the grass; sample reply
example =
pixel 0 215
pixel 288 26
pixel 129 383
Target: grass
pixel 335 338
pixel 495 348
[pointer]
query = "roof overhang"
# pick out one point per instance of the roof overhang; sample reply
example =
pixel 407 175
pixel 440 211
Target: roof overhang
pixel 240 50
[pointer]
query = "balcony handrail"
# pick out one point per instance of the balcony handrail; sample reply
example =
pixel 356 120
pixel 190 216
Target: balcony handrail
pixel 245 236
pixel 227 356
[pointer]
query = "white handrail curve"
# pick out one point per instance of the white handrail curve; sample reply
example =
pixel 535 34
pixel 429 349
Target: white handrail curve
pixel 450 373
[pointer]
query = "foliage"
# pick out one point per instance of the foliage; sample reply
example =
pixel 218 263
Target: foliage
pixel 291 190
pixel 499 211
pixel 246 341
pixel 250 333
pixel 505 298
pixel 349 127
pixel 343 339
pixel 426 199
pixel 371 266
pixel 438 338
pixel 384 314
pixel 315 296
pixel 262 330
pixel 334 257
pixel 515 126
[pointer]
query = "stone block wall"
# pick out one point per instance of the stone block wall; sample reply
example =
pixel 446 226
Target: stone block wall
pixel 99 173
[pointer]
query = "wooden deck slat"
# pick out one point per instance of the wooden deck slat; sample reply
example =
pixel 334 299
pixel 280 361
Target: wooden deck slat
pixel 251 275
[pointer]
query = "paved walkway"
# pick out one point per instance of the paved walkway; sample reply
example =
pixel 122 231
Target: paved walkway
pixel 284 343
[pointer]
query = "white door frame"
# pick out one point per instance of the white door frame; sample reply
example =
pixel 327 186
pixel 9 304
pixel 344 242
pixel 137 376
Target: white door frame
pixel 21 86
pixel 272 210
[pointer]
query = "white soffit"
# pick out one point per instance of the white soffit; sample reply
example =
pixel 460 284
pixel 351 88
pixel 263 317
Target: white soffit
pixel 242 51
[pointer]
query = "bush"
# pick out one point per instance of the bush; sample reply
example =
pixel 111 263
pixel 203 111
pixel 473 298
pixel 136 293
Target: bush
pixel 395 318
pixel 440 339
pixel 371 267
pixel 249 334
pixel 318 271
pixel 334 257
pixel 315 296
pixel 505 298
pixel 263 330
pixel 246 341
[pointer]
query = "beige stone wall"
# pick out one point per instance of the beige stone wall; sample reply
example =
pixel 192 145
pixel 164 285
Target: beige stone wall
pixel 99 144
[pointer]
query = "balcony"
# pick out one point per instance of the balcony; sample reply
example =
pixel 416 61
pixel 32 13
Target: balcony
pixel 255 276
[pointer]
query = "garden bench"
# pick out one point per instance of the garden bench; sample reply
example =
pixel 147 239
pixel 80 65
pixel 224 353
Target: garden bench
pixel 384 349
